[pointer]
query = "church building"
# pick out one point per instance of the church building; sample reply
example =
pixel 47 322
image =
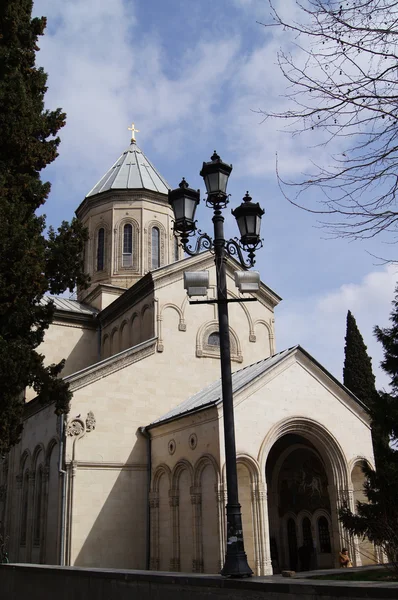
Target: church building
pixel 134 476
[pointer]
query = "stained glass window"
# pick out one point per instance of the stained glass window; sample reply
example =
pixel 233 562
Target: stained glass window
pixel 307 534
pixel 127 260
pixel 155 248
pixel 100 249
pixel 324 535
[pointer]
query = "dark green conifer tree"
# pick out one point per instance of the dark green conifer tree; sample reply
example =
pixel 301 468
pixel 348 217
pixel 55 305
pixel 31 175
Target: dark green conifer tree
pixel 31 263
pixel 377 519
pixel 357 373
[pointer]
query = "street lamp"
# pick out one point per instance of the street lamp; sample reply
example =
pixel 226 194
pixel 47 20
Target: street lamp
pixel 184 201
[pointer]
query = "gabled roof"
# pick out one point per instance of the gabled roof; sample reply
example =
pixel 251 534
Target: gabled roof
pixel 131 171
pixel 212 395
pixel 70 306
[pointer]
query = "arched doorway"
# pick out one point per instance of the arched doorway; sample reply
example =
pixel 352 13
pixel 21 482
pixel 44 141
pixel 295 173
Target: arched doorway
pixel 299 505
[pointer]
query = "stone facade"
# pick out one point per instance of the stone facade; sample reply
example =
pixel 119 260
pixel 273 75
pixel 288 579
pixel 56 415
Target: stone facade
pixel 118 483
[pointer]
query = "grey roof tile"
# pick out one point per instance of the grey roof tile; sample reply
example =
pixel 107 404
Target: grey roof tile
pixel 67 305
pixel 131 171
pixel 211 394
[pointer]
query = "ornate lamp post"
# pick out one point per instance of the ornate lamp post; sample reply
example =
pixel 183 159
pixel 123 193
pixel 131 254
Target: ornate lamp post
pixel 184 201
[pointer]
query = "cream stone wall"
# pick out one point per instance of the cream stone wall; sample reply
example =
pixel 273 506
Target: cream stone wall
pixel 299 393
pixel 75 342
pixel 33 464
pixel 281 401
pixel 185 531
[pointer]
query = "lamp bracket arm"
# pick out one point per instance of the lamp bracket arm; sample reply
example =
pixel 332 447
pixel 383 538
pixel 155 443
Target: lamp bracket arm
pixel 204 242
pixel 234 249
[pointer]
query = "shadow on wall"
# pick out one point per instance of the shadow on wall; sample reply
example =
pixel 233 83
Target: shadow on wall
pixel 83 354
pixel 108 516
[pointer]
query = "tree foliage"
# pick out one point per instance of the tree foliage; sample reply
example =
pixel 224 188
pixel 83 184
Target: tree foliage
pixel 342 80
pixel 31 264
pixel 377 519
pixel 357 373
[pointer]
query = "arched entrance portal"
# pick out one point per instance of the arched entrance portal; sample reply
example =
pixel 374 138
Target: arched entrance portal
pixel 301 505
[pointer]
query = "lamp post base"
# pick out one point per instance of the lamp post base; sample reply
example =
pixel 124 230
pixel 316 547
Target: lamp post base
pixel 236 565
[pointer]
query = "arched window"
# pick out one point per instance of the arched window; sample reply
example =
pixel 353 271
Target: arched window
pixel 155 248
pixel 324 535
pixel 307 533
pixel 214 339
pixel 100 249
pixel 24 507
pixel 175 248
pixel 127 260
pixel 38 504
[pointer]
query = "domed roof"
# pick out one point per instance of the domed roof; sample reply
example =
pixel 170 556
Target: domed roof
pixel 131 171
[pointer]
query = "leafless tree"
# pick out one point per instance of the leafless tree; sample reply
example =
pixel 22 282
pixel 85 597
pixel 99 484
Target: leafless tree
pixel 343 80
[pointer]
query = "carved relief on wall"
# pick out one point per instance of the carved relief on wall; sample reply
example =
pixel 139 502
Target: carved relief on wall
pixel 90 421
pixel 77 427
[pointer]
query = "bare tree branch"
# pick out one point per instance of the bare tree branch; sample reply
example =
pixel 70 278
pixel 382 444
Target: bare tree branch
pixel 342 80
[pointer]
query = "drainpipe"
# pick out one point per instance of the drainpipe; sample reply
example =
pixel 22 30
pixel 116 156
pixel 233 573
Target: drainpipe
pixel 62 472
pixel 147 436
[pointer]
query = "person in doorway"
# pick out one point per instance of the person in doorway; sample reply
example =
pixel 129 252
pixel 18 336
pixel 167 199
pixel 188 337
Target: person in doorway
pixel 345 560
pixel 304 553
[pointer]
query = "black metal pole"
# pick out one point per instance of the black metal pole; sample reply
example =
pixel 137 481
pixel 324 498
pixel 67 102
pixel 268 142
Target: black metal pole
pixel 235 564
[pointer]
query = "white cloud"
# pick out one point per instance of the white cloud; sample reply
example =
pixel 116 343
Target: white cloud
pixel 318 323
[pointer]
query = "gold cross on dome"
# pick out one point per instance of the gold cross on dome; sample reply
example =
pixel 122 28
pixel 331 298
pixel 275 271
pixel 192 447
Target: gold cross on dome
pixel 133 131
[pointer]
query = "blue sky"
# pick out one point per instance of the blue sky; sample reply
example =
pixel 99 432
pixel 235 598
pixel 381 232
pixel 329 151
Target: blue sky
pixel 192 76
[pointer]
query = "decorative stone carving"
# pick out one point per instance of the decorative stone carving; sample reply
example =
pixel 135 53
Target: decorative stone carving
pixel 74 428
pixel 171 446
pixel 174 501
pixel 90 421
pixel 252 337
pixel 182 326
pixel 154 501
pixel 174 564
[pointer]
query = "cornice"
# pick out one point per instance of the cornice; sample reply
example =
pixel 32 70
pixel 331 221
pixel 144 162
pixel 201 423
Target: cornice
pixel 140 290
pixel 111 365
pixel 73 319
pixel 111 196
pixel 110 466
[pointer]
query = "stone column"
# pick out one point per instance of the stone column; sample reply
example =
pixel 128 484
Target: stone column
pixel 265 565
pixel 356 556
pixel 346 539
pixel 174 501
pixel 154 533
pixel 197 528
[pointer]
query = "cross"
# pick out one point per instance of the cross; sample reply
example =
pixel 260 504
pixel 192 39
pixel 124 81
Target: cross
pixel 133 131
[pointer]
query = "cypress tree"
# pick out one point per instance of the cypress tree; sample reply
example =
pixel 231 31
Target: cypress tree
pixel 357 373
pixel 377 519
pixel 31 263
